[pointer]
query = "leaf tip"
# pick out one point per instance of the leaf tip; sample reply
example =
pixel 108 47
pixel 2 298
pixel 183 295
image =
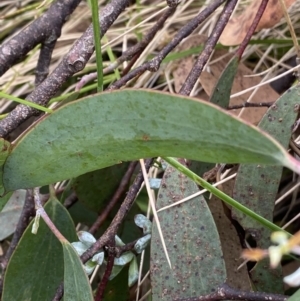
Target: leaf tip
pixel 293 164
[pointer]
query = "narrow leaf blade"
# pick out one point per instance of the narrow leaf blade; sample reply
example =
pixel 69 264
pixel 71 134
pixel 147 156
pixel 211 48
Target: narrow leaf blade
pixel 76 283
pixel 221 93
pixel 256 187
pixel 88 134
pixel 192 242
pixel 11 212
pixel 36 266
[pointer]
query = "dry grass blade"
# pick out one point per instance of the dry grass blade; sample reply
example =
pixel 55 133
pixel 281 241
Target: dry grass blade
pixel 197 193
pixel 152 203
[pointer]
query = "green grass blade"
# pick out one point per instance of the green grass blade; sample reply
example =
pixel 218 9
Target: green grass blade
pixel 97 39
pixel 25 102
pixel 221 195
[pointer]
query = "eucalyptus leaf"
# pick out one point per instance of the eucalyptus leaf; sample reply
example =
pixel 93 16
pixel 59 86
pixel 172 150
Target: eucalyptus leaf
pixel 115 271
pixel 192 242
pixel 295 297
pixel 86 238
pixel 142 243
pixel 36 267
pixel 94 189
pixel 104 129
pixel 98 258
pixel 256 187
pixel 221 97
pixel 133 273
pixel 119 242
pixel 221 93
pixel 11 212
pixel 76 283
pixel 143 222
pixel 123 259
pixel 79 247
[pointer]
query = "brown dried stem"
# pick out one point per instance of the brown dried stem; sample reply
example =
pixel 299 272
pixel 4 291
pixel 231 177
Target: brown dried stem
pixel 131 53
pixel 109 267
pixel 115 198
pixel 252 28
pixel 250 105
pixel 118 219
pixel 208 48
pixel 154 64
pixel 73 62
pixel 46 30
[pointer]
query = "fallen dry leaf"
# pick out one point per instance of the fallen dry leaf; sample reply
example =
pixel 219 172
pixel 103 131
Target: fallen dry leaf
pixel 238 26
pixel 185 65
pixel 231 246
pixel 211 75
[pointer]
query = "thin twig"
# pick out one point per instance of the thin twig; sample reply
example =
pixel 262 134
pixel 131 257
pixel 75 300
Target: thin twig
pixel 154 64
pixel 208 48
pixel 119 217
pixel 252 28
pixel 40 212
pixel 59 293
pixel 115 198
pixel 73 62
pixel 112 230
pixel 109 267
pixel 128 247
pixel 37 32
pixel 251 105
pixel 131 53
pixel 70 200
pixel 42 68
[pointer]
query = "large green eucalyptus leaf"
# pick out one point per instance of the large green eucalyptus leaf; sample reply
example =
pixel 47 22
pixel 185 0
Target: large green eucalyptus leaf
pixel 256 187
pixel 104 129
pixel 192 242
pixel 36 267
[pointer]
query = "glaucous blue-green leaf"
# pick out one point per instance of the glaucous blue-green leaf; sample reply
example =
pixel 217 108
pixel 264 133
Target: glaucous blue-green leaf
pixel 192 242
pixel 11 213
pixel 36 267
pixel 107 128
pixel 256 187
pixel 4 199
pixel 76 282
